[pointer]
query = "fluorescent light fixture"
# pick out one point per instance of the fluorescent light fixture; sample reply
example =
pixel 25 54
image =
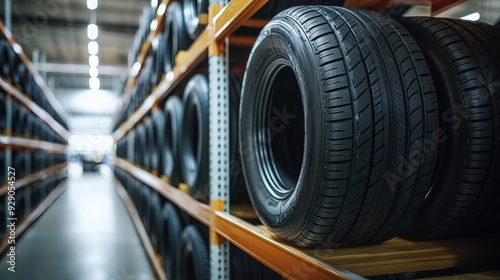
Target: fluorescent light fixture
pixel 93 61
pixel 93 72
pixel 135 69
pixel 92 4
pixel 93 48
pixel 154 3
pixel 472 17
pixel 92 31
pixel 153 25
pixel 94 83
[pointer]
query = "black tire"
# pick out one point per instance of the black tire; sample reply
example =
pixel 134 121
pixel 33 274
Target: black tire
pixel 176 37
pixel 158 68
pixel 245 267
pixel 3 113
pixel 149 153
pixel 358 100
pixel 465 65
pixel 171 139
pixel 273 7
pixel 192 259
pixel 192 10
pixel 238 190
pixel 154 152
pixel 171 230
pixel 4 56
pixel 3 175
pixel 141 144
pixel 194 146
pixel 146 206
pixel 155 210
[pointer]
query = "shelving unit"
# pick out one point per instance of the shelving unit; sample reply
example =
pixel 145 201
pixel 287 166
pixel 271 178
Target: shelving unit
pixel 10 143
pixel 226 221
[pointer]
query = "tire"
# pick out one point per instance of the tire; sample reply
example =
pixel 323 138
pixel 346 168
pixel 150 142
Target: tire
pixel 3 175
pixel 273 7
pixel 146 206
pixel 352 108
pixel 155 210
pixel 194 146
pixel 245 267
pixel 238 190
pixel 465 64
pixel 3 112
pixel 171 139
pixel 158 68
pixel 153 145
pixel 4 56
pixel 171 233
pixel 192 9
pixel 192 259
pixel 141 143
pixel 176 37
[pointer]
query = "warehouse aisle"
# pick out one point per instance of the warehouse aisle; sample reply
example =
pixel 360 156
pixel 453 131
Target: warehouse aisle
pixel 86 234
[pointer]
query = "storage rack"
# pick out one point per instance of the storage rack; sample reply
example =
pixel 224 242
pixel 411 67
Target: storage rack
pixel 10 142
pixel 394 256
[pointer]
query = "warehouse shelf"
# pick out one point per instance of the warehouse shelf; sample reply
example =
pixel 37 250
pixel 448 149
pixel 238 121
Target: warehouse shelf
pixel 188 61
pixel 194 208
pixel 38 79
pixel 25 143
pixel 33 107
pixel 143 52
pixel 394 256
pixel 21 226
pixel 141 230
pixel 35 177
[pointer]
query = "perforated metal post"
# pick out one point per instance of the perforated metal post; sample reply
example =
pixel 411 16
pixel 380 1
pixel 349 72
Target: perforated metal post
pixel 219 146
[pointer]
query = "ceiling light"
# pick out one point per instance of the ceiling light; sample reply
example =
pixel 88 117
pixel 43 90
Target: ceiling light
pixel 93 61
pixel 94 83
pixel 93 48
pixel 92 4
pixel 93 72
pixel 153 25
pixel 161 9
pixel 472 17
pixel 92 31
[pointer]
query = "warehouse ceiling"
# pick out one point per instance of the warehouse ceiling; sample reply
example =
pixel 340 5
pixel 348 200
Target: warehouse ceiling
pixel 58 30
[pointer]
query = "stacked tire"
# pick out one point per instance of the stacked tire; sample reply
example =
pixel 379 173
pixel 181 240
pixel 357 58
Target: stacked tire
pixel 343 135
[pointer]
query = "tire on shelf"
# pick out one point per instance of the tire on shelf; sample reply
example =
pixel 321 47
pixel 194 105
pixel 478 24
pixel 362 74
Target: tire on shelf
pixel 3 113
pixel 192 258
pixel 155 219
pixel 327 118
pixel 192 10
pixel 141 153
pixel 273 7
pixel 171 139
pixel 194 146
pixel 170 229
pixel 465 65
pixel 148 148
pixel 3 175
pixel 4 57
pixel 238 190
pixel 153 145
pixel 145 206
pixel 176 37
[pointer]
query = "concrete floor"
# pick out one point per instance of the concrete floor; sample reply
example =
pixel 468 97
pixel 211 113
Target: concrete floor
pixel 85 235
